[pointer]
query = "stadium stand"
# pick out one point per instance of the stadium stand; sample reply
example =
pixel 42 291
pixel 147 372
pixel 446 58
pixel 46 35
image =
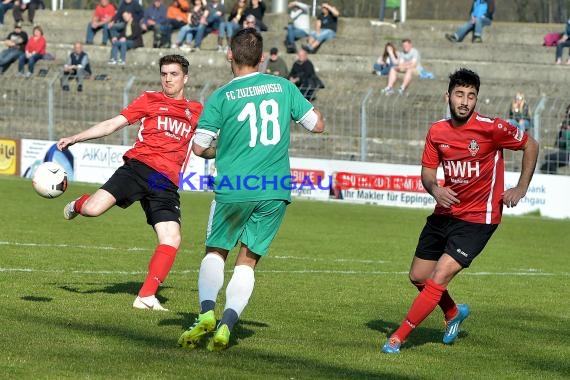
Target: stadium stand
pixel 512 57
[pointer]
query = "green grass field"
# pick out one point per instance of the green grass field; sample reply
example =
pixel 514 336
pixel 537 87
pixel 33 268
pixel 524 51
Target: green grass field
pixel 334 285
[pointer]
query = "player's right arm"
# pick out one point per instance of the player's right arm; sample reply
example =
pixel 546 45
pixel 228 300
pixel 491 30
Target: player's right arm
pixel 104 128
pixel 444 196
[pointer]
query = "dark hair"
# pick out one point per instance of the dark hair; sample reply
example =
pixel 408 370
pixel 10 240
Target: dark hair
pixel 247 47
pixel 174 58
pixel 464 77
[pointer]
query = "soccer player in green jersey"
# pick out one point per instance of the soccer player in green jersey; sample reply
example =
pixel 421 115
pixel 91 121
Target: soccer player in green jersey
pixel 245 126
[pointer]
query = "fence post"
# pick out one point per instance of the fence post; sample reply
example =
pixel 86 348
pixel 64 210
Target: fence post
pixel 50 106
pixel 203 92
pixel 126 90
pixel 364 126
pixel 536 117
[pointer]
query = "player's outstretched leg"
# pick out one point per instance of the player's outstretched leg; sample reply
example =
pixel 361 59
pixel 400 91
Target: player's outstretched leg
pixel 203 324
pixel 452 327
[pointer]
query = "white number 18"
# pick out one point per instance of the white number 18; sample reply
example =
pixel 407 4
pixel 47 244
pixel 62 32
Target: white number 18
pixel 269 113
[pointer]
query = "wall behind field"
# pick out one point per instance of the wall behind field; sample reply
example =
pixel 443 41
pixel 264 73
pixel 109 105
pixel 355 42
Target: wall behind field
pixel 549 11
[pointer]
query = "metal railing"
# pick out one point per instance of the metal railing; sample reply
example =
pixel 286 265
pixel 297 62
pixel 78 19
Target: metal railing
pixel 367 126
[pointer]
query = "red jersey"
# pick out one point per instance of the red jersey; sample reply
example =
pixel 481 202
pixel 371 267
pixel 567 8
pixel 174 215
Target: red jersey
pixel 104 13
pixel 472 159
pixel 36 45
pixel 167 127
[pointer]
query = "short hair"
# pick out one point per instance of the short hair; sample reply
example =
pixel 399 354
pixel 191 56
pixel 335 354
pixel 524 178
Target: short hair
pixel 464 77
pixel 174 58
pixel 37 27
pixel 247 47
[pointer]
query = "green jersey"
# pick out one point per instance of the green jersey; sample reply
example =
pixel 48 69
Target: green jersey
pixel 253 114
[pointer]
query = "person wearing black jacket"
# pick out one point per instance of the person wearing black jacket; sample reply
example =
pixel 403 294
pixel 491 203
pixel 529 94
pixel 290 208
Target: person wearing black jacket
pixel 129 38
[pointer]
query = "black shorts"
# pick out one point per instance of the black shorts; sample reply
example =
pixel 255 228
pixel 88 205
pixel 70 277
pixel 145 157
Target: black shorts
pixel 136 181
pixel 459 239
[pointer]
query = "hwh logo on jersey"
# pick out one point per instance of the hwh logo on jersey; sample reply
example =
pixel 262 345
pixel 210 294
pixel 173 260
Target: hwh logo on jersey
pixel 461 169
pixel 175 128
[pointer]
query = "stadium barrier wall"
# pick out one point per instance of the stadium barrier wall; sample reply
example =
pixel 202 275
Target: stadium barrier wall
pixel 318 179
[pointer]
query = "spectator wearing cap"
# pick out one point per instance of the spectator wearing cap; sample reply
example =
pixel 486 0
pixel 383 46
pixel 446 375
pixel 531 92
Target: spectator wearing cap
pixel 16 44
pixel 325 28
pixel 275 65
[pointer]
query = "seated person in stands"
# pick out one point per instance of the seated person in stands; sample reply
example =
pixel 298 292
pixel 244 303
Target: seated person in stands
pixel 233 24
pixel 155 19
pixel 304 76
pixel 385 62
pixel 34 51
pixel 16 44
pixel 212 23
pixel 325 28
pixel 76 66
pixel 102 16
pixel 560 158
pixel 274 64
pixel 117 25
pixel 176 18
pixel 481 15
pixel 519 113
pixel 20 6
pixel 256 8
pixel 5 6
pixel 299 24
pixel 129 38
pixel 198 14
pixel 408 64
pixel 563 42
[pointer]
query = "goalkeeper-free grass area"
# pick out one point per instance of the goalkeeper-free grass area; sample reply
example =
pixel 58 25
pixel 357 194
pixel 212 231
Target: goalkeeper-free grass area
pixel 331 290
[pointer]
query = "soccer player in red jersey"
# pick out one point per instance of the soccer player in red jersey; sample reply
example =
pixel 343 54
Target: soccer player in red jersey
pixel 151 170
pixel 469 205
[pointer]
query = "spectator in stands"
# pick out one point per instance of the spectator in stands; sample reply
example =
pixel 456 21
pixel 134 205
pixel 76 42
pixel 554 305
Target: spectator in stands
pixel 563 42
pixel 386 61
pixel 256 8
pixel 129 38
pixel 325 28
pixel 155 19
pixel 215 17
pixel 299 24
pixel 16 44
pixel 198 15
pixel 250 22
pixel 117 25
pixel 560 158
pixel 76 66
pixel 5 6
pixel 34 51
pixel 481 15
pixel 20 6
pixel 177 17
pixel 102 16
pixel 408 64
pixel 275 65
pixel 304 76
pixel 519 113
pixel 233 24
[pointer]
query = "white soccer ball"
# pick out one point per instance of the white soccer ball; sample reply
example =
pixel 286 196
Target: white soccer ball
pixel 50 180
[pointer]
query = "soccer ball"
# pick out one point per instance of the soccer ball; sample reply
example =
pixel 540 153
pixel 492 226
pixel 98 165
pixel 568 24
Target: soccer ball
pixel 49 180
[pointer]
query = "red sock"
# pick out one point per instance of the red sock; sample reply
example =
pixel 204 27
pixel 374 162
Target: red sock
pixel 447 304
pixel 422 306
pixel 158 269
pixel 79 203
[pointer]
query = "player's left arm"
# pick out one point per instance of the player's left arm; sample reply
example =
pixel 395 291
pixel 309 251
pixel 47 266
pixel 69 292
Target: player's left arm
pixel 511 197
pixel 204 144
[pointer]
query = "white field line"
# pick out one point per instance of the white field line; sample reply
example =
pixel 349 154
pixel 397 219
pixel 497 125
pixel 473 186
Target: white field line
pixel 521 272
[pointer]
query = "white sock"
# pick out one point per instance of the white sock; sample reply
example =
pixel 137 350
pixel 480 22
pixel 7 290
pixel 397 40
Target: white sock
pixel 240 288
pixel 211 277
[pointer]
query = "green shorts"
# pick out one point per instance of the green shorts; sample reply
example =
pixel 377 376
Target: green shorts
pixel 254 224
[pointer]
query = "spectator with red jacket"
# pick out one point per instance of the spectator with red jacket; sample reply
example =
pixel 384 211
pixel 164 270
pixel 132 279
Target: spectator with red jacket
pixel 102 16
pixel 34 51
